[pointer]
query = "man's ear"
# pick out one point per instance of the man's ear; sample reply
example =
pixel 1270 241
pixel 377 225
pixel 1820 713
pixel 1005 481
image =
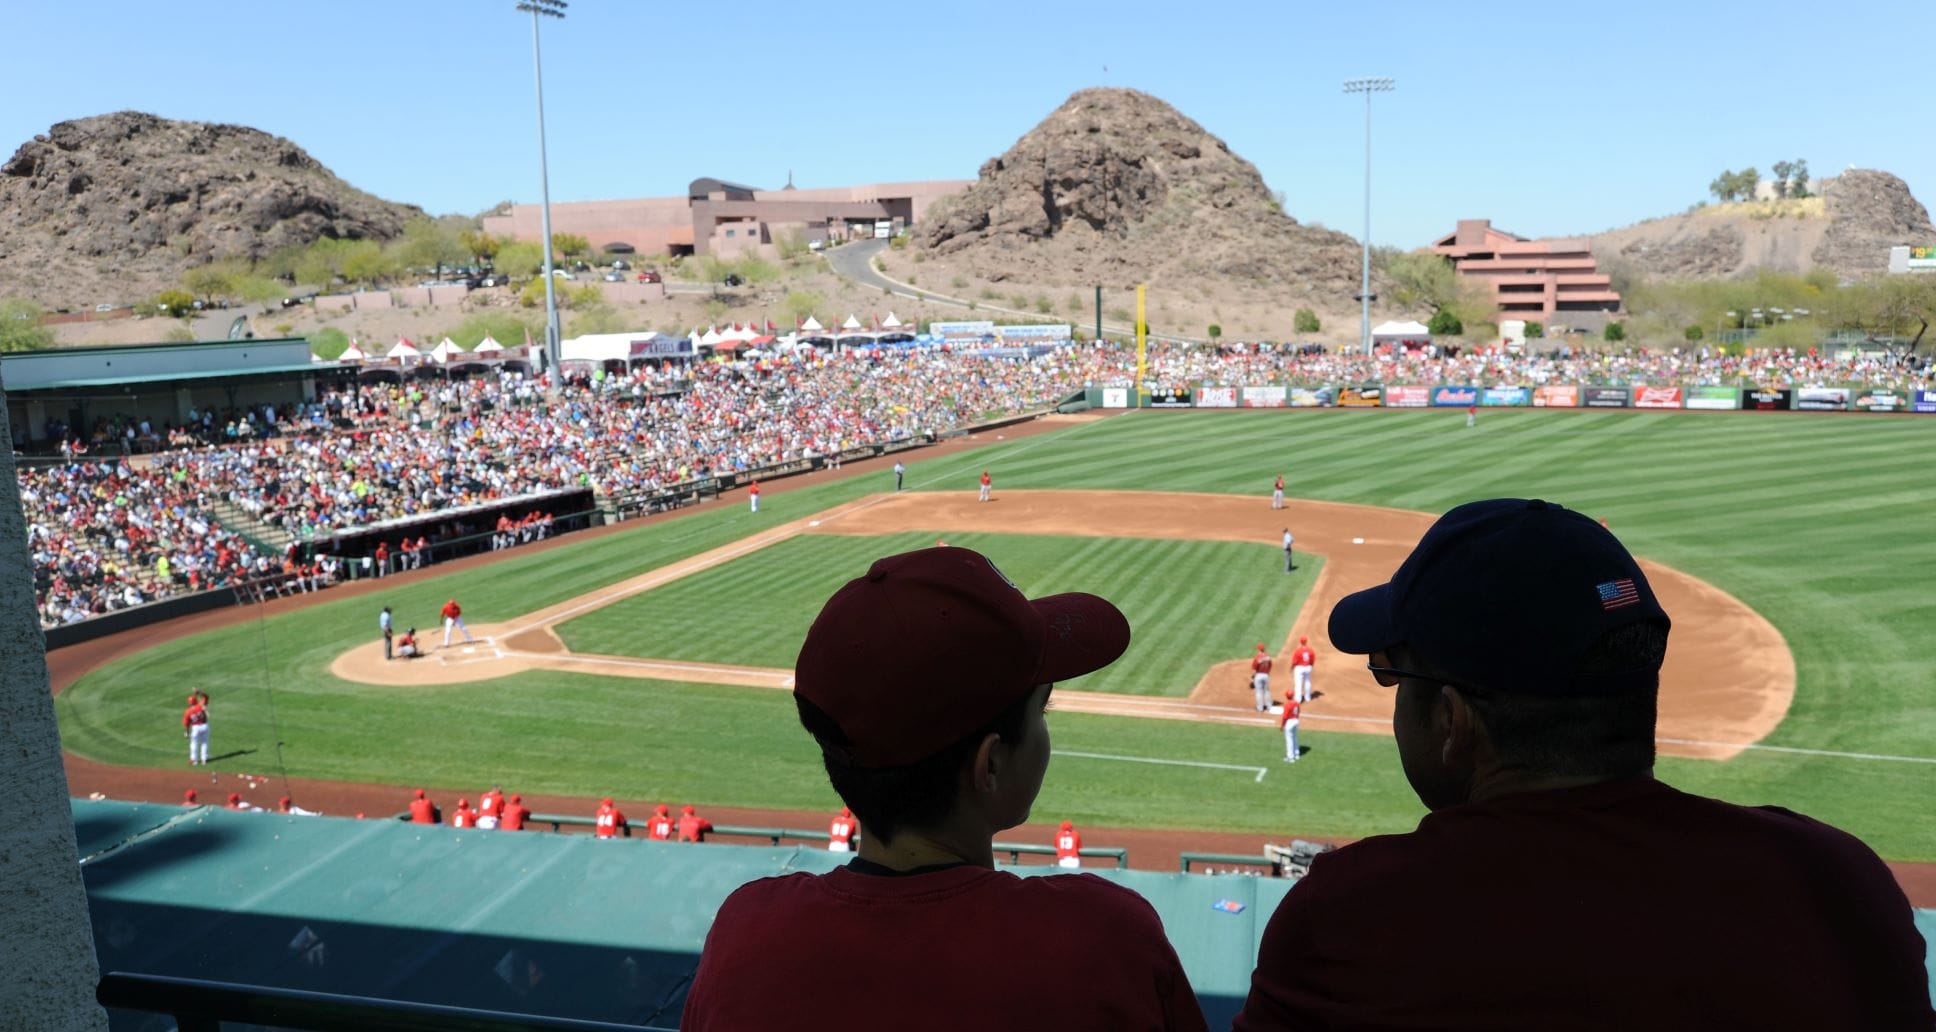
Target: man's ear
pixel 1464 733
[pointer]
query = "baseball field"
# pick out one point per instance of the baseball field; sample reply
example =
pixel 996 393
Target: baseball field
pixel 647 663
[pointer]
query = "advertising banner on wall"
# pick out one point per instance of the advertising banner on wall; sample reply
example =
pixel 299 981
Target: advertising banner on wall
pixel 1822 399
pixel 1305 397
pixel 1407 397
pixel 1713 398
pixel 1556 395
pixel 1768 400
pixel 1876 399
pixel 971 330
pixel 1115 397
pixel 1507 397
pixel 1656 397
pixel 1604 397
pixel 1360 397
pixel 1058 331
pixel 1454 397
pixel 1925 402
pixel 1169 396
pixel 1216 397
pixel 1264 397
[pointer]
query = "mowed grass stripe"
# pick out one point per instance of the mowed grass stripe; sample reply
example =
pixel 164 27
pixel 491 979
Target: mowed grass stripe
pixel 1190 603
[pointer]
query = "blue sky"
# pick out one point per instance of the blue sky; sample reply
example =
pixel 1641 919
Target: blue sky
pixel 1548 118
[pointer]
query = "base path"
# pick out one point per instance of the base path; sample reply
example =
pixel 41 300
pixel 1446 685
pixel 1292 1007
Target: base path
pixel 1728 679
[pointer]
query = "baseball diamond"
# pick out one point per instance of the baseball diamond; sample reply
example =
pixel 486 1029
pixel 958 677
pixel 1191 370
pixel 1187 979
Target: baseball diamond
pixel 1799 635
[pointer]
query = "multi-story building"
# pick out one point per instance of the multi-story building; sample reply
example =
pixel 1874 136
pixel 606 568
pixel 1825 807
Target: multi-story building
pixel 1544 280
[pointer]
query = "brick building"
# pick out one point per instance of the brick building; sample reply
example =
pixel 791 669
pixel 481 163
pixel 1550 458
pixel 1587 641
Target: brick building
pixel 1544 280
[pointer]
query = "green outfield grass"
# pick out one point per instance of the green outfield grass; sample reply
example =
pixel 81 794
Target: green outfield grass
pixel 1822 523
pixel 1190 603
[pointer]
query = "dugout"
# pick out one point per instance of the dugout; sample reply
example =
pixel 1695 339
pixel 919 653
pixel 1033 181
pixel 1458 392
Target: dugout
pixel 460 531
pixel 71 390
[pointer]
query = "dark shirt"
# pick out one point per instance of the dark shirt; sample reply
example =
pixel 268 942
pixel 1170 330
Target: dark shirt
pixel 1623 905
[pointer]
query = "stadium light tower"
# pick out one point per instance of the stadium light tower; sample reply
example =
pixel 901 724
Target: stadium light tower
pixel 1367 87
pixel 553 345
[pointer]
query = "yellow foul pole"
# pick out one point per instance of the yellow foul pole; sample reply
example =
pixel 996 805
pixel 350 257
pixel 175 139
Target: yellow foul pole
pixel 1141 342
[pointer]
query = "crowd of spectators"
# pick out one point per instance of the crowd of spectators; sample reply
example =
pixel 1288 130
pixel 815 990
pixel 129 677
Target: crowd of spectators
pixel 110 533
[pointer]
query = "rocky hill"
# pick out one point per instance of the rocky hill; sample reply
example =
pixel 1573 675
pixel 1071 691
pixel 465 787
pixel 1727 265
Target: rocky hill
pixel 1117 187
pixel 114 208
pixel 1848 229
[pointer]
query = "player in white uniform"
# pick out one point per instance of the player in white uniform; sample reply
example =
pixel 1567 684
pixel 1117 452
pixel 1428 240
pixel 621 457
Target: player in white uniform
pixel 1302 660
pixel 1260 668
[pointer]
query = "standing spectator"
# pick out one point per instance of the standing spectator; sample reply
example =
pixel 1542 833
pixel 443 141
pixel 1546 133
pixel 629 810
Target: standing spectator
pixel 661 825
pixel 490 807
pixel 609 822
pixel 841 832
pixel 195 729
pixel 933 776
pixel 1068 845
pixel 1302 660
pixel 423 811
pixel 1551 856
pixel 692 827
pixel 454 618
pixel 383 623
pixel 514 814
pixel 463 816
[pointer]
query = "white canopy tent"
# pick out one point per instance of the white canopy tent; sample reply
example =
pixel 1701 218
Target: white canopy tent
pixel 488 346
pixel 851 323
pixel 445 351
pixel 892 321
pixel 812 325
pixel 404 351
pixel 352 354
pixel 597 347
pixel 1400 330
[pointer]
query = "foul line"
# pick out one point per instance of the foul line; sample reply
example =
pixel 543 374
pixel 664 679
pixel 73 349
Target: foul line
pixel 1798 751
pixel 1260 771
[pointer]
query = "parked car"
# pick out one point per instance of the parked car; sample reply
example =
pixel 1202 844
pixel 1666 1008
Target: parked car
pixel 620 264
pixel 104 307
pixel 561 274
pixel 734 279
pixel 614 277
pixel 649 276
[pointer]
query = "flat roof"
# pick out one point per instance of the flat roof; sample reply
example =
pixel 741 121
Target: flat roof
pixel 204 374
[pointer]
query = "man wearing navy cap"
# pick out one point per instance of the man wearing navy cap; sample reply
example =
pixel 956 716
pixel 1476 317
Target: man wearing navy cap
pixel 1556 884
pixel 924 683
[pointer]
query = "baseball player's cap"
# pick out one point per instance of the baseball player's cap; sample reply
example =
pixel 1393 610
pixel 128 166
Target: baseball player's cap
pixel 933 644
pixel 1507 594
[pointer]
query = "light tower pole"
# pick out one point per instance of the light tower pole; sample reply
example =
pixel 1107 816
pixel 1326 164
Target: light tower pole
pixel 553 344
pixel 1366 87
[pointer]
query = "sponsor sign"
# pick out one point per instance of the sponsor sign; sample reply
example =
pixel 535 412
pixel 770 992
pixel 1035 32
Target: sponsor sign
pixel 1656 397
pixel 1360 397
pixel 1822 399
pixel 1264 397
pixel 1169 397
pixel 1922 257
pixel 1506 396
pixel 1604 397
pixel 1454 397
pixel 1925 402
pixel 1876 400
pixel 1556 395
pixel 1305 397
pixel 1115 397
pixel 661 346
pixel 1767 400
pixel 1406 396
pixel 1059 331
pixel 1216 397
pixel 1713 398
pixel 955 330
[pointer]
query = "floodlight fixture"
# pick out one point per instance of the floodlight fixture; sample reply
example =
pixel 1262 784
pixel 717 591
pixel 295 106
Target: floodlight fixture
pixel 1366 87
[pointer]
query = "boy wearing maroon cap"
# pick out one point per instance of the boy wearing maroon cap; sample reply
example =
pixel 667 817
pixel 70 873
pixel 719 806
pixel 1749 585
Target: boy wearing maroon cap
pixel 924 683
pixel 1556 884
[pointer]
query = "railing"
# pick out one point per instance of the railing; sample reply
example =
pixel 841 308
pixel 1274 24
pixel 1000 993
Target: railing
pixel 200 1005
pixel 1186 860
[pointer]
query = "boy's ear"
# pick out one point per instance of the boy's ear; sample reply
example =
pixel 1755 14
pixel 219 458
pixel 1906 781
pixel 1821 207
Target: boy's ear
pixel 985 768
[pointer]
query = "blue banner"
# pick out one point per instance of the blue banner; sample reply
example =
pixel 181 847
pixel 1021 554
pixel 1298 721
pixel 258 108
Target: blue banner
pixel 1508 396
pixel 1925 401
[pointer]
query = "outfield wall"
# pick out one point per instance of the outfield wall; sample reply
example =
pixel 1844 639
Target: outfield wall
pixel 1639 396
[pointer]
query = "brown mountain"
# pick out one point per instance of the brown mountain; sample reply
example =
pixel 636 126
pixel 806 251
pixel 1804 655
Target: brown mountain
pixel 1118 187
pixel 114 208
pixel 1848 229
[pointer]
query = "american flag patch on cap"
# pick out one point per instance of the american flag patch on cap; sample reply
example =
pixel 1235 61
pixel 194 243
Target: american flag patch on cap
pixel 1614 594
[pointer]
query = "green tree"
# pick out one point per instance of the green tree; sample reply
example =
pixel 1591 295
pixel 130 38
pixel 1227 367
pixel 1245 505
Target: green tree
pixel 1535 329
pixel 430 245
pixel 519 258
pixel 329 343
pixel 1420 279
pixel 1782 170
pixel 1722 186
pixel 570 245
pixel 1444 324
pixel 20 326
pixel 480 245
pixel 258 289
pixel 365 262
pixel 1215 331
pixel 1614 332
pixel 506 328
pixel 1691 333
pixel 1305 321
pixel 209 282
pixel 790 244
pixel 174 303
pixel 1798 179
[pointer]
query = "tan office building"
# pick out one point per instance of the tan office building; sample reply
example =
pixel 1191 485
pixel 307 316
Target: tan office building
pixel 1544 280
